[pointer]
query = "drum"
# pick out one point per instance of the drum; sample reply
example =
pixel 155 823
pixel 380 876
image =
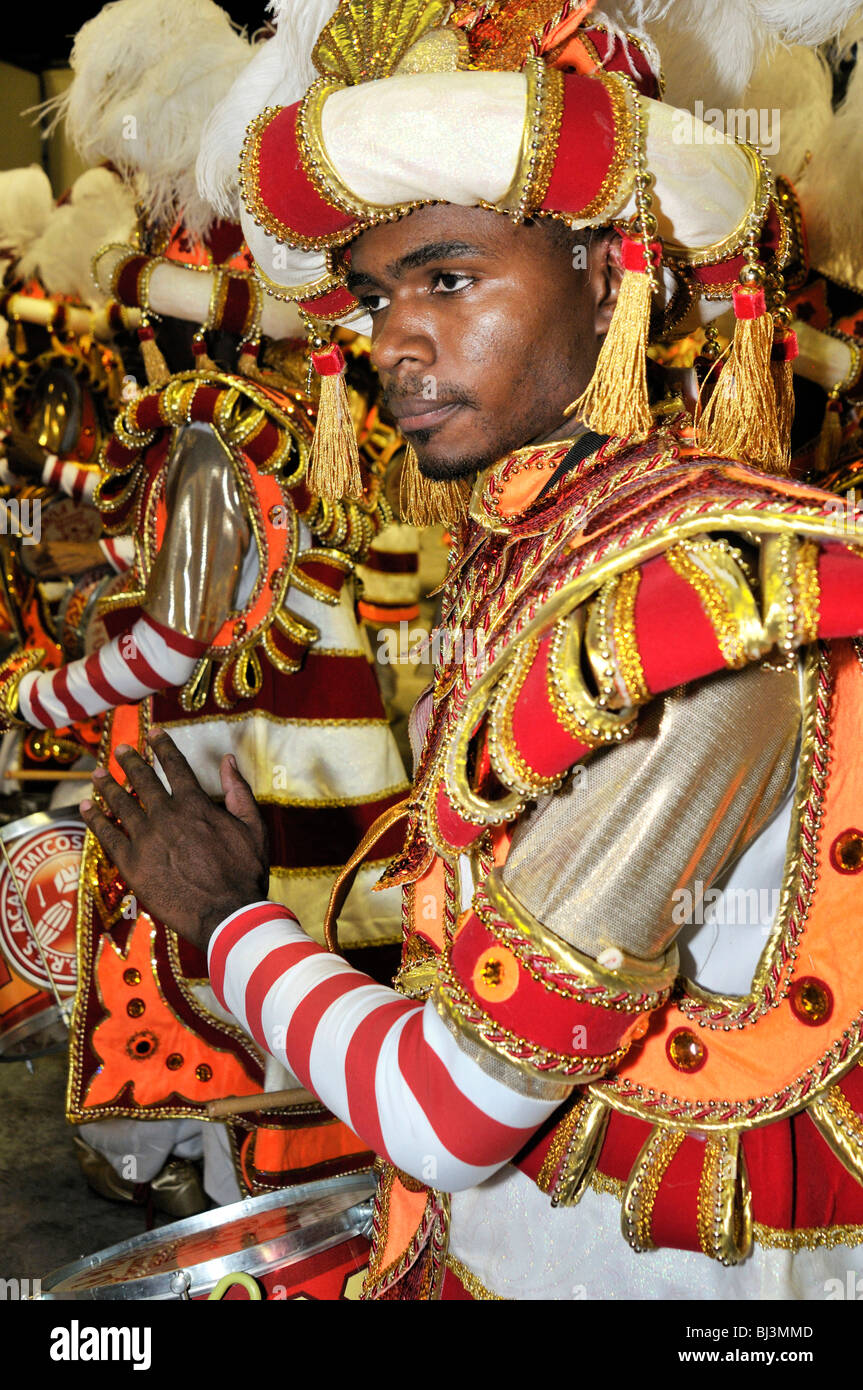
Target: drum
pixel 81 630
pixel 61 520
pixel 38 974
pixel 310 1241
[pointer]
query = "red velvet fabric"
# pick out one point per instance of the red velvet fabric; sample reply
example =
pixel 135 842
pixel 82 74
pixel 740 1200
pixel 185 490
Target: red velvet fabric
pixel 284 187
pixel 588 140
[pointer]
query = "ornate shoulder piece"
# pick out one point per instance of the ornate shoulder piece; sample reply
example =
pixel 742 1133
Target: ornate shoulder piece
pixel 272 431
pixel 599 648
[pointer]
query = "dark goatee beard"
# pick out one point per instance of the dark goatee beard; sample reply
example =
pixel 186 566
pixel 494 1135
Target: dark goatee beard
pixel 448 470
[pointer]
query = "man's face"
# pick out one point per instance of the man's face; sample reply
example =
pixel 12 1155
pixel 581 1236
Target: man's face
pixel 483 331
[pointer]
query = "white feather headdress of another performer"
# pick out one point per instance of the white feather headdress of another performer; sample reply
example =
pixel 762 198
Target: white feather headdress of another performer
pixel 26 203
pixel 100 208
pixel 280 72
pixel 147 74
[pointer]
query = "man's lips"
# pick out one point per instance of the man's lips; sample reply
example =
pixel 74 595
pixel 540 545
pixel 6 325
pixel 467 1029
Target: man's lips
pixel 417 415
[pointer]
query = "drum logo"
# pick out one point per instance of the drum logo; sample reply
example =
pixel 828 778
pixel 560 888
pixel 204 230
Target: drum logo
pixel 47 864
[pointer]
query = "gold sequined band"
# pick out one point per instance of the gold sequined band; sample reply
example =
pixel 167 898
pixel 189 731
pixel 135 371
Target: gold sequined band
pixel 714 603
pixel 625 643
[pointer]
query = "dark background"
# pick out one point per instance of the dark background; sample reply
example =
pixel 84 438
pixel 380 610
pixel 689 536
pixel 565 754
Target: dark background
pixel 32 39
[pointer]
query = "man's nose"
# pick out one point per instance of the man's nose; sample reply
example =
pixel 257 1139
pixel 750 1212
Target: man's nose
pixel 402 337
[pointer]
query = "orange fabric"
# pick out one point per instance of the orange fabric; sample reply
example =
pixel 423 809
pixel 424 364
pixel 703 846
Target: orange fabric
pixel 285 1150
pixel 520 489
pixel 428 904
pixel 772 1050
pixel 124 729
pixel 404 1218
pixel 373 613
pixel 150 1035
pixel 581 58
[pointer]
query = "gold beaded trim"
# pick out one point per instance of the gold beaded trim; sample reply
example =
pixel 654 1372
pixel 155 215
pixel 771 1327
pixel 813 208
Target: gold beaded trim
pixel 539 141
pixel 507 759
pixel 724 1208
pixel 768 1237
pixel 841 1128
pixel 635 986
pixel 625 643
pixel 12 672
pixel 250 182
pixel 583 715
pixel 639 1194
pixel 625 114
pixel 726 618
pixel 469 1281
pixel 808 592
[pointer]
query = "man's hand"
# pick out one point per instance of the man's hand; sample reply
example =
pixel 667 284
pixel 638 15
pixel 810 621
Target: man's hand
pixel 189 862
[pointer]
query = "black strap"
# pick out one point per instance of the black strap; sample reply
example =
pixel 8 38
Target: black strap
pixel 584 446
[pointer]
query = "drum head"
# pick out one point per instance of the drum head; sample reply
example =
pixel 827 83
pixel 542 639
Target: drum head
pixel 45 851
pixel 263 1236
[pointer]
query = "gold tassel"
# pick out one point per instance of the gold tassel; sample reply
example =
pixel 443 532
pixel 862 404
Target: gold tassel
pixel 782 373
pixel 740 419
pixel 247 360
pixel 20 339
pixel 334 465
pixel 203 360
pixel 424 502
pixel 616 401
pixel 829 443
pixel 154 363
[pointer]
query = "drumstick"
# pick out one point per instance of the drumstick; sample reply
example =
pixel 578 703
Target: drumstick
pixel 268 1100
pixel 42 774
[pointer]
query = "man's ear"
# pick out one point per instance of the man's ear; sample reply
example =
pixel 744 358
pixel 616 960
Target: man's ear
pixel 605 273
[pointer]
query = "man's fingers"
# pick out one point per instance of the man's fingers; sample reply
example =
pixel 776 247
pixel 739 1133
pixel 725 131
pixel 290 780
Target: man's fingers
pixel 181 778
pixel 239 800
pixel 110 836
pixel 142 777
pixel 119 802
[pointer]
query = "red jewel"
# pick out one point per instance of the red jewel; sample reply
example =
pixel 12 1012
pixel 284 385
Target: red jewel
pixel 685 1051
pixel 846 852
pixel 811 1000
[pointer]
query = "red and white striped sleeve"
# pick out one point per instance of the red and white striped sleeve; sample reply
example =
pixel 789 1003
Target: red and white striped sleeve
pixel 119 551
pixel 385 1065
pixel 75 479
pixel 146 658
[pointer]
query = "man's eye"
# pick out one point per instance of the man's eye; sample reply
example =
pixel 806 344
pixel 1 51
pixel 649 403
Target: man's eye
pixel 450 282
pixel 373 303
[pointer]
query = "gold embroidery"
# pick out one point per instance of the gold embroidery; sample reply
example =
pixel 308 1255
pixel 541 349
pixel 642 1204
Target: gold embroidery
pixel 469 1281
pixel 725 617
pixel 808 592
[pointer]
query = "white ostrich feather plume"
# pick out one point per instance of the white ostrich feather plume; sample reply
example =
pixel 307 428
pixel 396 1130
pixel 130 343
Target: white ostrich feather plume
pixel 711 53
pixel 26 203
pixel 147 74
pixel 279 74
pixel 798 84
pixel 831 193
pixel 100 209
